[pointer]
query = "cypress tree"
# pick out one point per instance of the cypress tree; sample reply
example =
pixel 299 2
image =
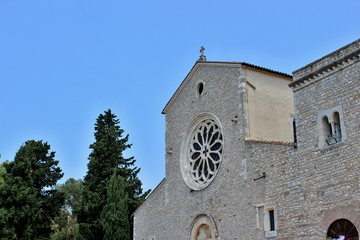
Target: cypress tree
pixel 28 200
pixel 107 155
pixel 115 215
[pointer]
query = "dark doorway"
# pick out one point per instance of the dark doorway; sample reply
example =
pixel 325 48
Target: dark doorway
pixel 343 229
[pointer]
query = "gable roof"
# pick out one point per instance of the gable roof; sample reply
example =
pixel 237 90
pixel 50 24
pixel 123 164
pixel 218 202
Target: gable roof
pixel 218 63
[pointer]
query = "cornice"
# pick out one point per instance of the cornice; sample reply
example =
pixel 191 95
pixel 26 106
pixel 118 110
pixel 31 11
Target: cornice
pixel 326 65
pixel 325 71
pixel 269 142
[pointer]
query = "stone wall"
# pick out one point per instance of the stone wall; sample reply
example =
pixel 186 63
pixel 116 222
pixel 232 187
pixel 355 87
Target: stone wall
pixel 231 198
pixel 308 187
pixel 151 218
pixel 328 177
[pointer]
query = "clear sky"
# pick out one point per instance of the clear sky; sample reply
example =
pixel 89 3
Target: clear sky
pixel 62 63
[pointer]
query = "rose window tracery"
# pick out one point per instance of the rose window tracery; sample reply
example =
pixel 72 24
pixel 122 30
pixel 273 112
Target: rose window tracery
pixel 201 152
pixel 205 151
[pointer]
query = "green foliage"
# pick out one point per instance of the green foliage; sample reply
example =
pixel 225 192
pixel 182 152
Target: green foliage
pixel 28 200
pixel 2 171
pixel 72 190
pixel 65 225
pixel 107 155
pixel 114 216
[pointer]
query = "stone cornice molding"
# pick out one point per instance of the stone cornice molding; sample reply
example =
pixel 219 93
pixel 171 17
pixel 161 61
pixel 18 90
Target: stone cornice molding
pixel 325 71
pixel 269 142
pixel 326 65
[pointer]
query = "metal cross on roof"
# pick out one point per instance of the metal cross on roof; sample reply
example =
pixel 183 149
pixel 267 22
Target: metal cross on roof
pixel 202 49
pixel 202 57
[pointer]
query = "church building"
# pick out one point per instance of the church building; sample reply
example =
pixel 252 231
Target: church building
pixel 253 153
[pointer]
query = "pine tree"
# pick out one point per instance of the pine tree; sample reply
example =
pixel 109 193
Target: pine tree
pixel 107 155
pixel 28 200
pixel 114 217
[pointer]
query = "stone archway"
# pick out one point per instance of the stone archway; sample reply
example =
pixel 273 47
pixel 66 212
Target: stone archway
pixel 342 229
pixel 341 217
pixel 203 228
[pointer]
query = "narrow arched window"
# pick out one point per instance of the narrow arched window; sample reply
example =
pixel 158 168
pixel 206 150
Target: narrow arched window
pixel 327 131
pixel 331 127
pixel 337 127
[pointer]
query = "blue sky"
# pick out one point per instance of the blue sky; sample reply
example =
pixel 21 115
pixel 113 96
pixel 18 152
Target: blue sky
pixel 62 63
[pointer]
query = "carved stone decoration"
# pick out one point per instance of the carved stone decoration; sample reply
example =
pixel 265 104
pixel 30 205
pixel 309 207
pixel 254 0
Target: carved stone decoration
pixel 201 153
pixel 205 151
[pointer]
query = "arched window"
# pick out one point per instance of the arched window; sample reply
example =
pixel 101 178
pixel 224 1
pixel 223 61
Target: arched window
pixel 203 228
pixel 342 229
pixel 337 128
pixel 331 127
pixel 326 127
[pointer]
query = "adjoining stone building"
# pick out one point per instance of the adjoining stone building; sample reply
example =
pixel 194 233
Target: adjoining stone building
pixel 252 153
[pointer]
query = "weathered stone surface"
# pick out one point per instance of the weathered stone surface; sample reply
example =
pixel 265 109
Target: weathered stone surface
pixel 309 187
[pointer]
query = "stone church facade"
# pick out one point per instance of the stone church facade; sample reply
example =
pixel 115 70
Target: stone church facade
pixel 253 153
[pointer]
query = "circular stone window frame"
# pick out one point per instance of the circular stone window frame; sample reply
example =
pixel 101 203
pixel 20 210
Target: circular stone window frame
pixel 184 151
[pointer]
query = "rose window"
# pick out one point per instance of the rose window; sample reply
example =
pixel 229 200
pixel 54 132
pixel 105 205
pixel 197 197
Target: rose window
pixel 201 151
pixel 205 151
